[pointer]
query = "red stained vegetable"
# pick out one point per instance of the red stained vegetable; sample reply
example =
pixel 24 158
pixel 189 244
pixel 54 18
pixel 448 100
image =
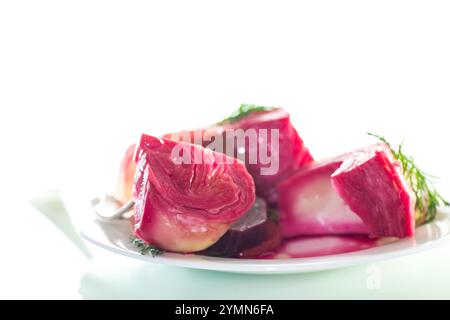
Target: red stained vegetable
pixel 310 206
pixel 359 192
pixel 316 246
pixel 250 236
pixel 371 182
pixel 187 207
pixel 286 158
pixel 124 187
pixel 292 153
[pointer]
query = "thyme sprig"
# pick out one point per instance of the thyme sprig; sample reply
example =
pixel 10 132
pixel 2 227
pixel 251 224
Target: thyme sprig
pixel 243 111
pixel 145 248
pixel 428 199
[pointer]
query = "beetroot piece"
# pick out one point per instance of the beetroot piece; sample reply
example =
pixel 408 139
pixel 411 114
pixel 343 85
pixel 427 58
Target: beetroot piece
pixel 310 206
pixel 316 246
pixel 186 197
pixel 250 236
pixel 359 192
pixel 286 157
pixel 372 184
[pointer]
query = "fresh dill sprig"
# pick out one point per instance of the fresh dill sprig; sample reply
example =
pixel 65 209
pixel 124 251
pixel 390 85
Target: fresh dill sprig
pixel 145 248
pixel 428 198
pixel 243 111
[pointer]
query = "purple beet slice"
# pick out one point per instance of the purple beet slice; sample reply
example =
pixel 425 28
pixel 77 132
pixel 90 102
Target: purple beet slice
pixel 252 235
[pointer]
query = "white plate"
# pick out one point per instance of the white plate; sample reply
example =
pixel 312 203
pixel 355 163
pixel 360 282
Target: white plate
pixel 114 236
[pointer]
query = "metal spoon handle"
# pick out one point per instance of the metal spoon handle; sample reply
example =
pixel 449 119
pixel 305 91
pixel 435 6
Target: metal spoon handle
pixel 118 214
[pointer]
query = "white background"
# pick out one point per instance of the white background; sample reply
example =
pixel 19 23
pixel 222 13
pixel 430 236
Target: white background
pixel 80 80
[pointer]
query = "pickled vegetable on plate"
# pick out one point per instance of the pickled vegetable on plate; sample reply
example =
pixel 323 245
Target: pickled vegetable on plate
pixel 124 186
pixel 284 153
pixel 363 191
pixel 316 246
pixel 186 205
pixel 255 233
pixel 309 205
pixel 372 184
